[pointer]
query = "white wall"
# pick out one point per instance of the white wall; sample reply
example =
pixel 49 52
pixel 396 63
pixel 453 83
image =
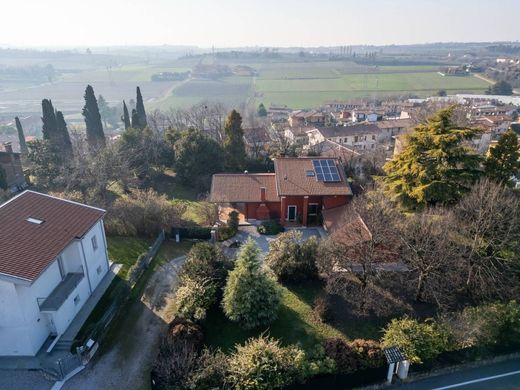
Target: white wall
pixel 95 259
pixel 68 310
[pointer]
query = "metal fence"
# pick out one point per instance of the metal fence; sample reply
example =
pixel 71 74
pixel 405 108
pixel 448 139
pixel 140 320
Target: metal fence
pixel 143 262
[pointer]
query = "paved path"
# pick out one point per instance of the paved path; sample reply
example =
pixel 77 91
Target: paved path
pixel 127 363
pixel 503 376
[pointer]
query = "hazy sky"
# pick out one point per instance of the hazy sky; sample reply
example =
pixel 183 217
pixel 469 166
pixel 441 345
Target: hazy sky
pixel 229 23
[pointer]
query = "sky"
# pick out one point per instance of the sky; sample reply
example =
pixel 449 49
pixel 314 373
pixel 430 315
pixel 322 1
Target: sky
pixel 235 23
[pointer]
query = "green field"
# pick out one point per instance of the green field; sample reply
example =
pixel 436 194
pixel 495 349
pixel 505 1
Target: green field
pixel 309 84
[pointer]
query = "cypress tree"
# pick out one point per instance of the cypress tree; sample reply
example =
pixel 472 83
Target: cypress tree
pixel 21 136
pixel 66 144
pixel 126 117
pixel 50 126
pixel 234 142
pixel 135 119
pixel 95 134
pixel 502 162
pixel 435 167
pixel 139 106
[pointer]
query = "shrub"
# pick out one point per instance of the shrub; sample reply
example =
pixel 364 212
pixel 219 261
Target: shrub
pixel 262 363
pixel 233 221
pixel 317 362
pixel 343 354
pixel 205 261
pixel 225 233
pixel 210 372
pixel 291 259
pixel 196 232
pixel 418 341
pixel 369 353
pixel 177 355
pixel 251 296
pixel 272 227
pixel 322 309
pixel 194 298
pixel 137 268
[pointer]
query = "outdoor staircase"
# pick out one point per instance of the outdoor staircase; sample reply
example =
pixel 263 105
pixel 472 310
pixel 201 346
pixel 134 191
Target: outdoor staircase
pixel 63 345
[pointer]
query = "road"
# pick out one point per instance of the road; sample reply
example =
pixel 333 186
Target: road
pixel 503 376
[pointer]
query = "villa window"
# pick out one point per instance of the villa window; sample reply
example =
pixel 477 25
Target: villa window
pixel 94 242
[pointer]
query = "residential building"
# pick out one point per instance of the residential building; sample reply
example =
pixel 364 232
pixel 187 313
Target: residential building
pixel 359 136
pixel 53 256
pixel 11 163
pixel 306 118
pixel 296 193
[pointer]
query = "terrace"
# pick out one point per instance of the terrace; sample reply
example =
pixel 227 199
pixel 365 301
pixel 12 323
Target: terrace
pixel 61 292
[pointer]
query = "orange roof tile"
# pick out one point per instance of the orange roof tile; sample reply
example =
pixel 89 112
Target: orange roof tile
pixel 243 187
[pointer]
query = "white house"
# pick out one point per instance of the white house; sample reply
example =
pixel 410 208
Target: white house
pixel 53 255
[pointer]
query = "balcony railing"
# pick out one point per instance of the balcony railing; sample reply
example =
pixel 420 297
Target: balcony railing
pixel 62 291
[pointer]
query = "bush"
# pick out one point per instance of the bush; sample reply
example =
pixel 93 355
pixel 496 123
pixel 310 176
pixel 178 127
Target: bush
pixel 272 227
pixel 225 233
pixel 210 372
pixel 137 268
pixel 322 309
pixel 369 353
pixel 196 232
pixel 194 298
pixel 418 341
pixel 491 325
pixel 177 355
pixel 205 261
pixel 233 221
pixel 251 296
pixel 291 259
pixel 262 363
pixel 317 362
pixel 343 354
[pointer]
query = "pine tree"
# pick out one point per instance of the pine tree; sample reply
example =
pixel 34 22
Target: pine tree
pixel 139 106
pixel 135 119
pixel 234 142
pixel 503 162
pixel 126 117
pixel 65 144
pixel 261 110
pixel 95 134
pixel 21 136
pixel 435 167
pixel 50 126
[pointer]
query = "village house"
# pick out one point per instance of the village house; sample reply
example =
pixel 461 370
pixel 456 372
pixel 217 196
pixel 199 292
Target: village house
pixel 53 256
pixel 306 118
pixel 298 135
pixel 278 113
pixel 297 192
pixel 360 136
pixel 11 163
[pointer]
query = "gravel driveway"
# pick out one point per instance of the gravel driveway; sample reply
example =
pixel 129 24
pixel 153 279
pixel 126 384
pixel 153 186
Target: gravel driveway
pixel 127 364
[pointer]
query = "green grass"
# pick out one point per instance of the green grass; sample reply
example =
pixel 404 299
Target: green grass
pixel 295 324
pixel 126 250
pixel 168 185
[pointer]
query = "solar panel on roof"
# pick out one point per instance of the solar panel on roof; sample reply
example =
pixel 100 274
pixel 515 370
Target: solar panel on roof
pixel 326 170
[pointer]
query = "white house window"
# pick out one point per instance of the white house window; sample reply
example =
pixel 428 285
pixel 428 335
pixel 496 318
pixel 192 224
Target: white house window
pixel 98 270
pixel 77 300
pixel 94 242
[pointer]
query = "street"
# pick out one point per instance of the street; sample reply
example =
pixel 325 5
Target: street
pixel 503 376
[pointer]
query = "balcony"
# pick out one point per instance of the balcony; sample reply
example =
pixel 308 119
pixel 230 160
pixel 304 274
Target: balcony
pixel 61 292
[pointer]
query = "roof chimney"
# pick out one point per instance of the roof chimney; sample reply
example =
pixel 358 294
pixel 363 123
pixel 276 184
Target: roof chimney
pixel 262 194
pixel 8 147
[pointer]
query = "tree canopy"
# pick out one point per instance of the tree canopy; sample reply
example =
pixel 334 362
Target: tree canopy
pixel 261 110
pixel 141 113
pixel 234 142
pixel 21 136
pixel 500 88
pixel 126 116
pixel 435 167
pixel 503 162
pixel 95 133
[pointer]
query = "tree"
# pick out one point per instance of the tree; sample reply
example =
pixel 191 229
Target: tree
pixel 251 296
pixel 104 109
pixel 418 341
pixel 194 297
pixel 441 92
pixel 95 133
pixel 262 112
pixel 263 364
pixel 139 107
pixel 63 132
pixel 49 126
pixel 126 117
pixel 3 178
pixel 291 258
pixel 46 165
pixel 435 167
pixel 234 142
pixel 500 88
pixel 197 157
pixel 135 120
pixel 503 161
pixel 21 136
pixel 205 261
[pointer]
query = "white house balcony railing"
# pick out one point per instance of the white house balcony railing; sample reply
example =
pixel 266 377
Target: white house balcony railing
pixel 61 292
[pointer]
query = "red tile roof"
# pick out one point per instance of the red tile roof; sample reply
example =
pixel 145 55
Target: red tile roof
pixel 292 179
pixel 344 227
pixel 243 187
pixel 27 249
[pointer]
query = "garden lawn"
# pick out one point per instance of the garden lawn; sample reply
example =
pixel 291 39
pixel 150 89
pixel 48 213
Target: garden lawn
pixel 126 250
pixel 296 323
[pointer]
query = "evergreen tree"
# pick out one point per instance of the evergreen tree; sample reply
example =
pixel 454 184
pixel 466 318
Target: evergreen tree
pixel 21 136
pixel 104 109
pixel 234 142
pixel 50 126
pixel 500 88
pixel 261 110
pixel 3 179
pixel 503 162
pixel 126 116
pixel 435 166
pixel 95 134
pixel 135 119
pixel 139 106
pixel 63 132
pixel 251 296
